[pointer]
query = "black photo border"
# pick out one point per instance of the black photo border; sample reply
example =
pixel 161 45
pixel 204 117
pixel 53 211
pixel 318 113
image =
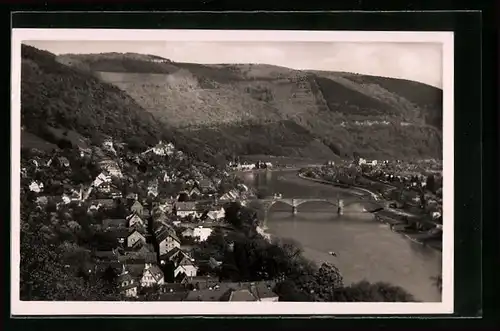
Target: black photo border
pixel 469 80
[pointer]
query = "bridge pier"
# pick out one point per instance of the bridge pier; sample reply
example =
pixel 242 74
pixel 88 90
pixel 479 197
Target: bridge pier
pixel 294 207
pixel 340 209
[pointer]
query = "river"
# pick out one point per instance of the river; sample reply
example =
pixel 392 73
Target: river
pixel 365 248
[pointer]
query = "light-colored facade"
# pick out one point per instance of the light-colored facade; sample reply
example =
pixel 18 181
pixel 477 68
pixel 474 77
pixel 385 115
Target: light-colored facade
pixel 167 244
pixel 201 233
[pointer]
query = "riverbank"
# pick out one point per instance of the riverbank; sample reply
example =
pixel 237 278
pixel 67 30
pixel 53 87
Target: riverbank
pixel 366 250
pixel 417 237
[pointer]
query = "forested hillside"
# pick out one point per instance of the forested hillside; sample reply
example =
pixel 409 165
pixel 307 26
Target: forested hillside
pixel 55 96
pixel 223 105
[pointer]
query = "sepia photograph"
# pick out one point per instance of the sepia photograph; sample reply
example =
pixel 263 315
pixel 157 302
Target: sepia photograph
pixel 200 172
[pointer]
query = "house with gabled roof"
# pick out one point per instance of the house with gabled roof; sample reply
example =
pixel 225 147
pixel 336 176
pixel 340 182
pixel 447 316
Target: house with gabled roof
pixel 152 275
pixel 227 197
pixel 186 267
pixel 127 284
pixel 194 193
pixel 137 208
pixel 36 187
pixel 134 220
pixel 187 233
pixel 134 238
pixel 166 240
pixel 180 261
pixel 185 209
pixel 190 183
pixel 103 177
pixel 214 213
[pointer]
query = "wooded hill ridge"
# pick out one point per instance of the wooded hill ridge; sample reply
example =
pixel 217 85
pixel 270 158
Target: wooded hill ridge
pixel 237 108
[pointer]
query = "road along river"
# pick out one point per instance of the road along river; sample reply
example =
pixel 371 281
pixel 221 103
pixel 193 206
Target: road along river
pixel 365 248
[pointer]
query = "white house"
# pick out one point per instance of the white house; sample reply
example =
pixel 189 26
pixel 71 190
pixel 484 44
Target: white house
pixel 36 187
pixel 169 177
pixel 436 215
pixel 103 177
pixel 217 214
pixel 167 240
pixel 152 275
pixel 187 267
pixel 66 199
pixel 162 149
pixel 247 166
pixel 194 192
pixel 201 233
pixel 153 191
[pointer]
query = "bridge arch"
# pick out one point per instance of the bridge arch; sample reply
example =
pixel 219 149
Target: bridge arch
pixel 295 203
pixel 368 204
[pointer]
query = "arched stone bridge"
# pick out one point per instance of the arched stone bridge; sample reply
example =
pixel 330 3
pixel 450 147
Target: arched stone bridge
pixel 296 202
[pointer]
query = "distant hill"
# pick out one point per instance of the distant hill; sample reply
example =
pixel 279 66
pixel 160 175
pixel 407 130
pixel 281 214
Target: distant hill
pixel 347 113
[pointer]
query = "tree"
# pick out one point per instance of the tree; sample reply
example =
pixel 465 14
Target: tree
pixel 368 292
pixel 135 144
pixel 44 277
pixel 288 291
pixel 430 183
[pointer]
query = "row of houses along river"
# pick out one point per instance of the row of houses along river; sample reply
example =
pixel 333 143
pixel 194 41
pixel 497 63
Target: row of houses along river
pixel 365 249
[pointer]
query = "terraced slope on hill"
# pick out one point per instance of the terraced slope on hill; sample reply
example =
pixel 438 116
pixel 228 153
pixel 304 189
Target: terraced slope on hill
pixel 371 116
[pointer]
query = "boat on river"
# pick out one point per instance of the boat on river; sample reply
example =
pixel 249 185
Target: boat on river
pixel 333 254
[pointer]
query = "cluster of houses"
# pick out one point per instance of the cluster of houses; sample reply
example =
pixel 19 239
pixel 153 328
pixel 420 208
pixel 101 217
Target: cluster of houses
pixel 249 166
pixel 152 247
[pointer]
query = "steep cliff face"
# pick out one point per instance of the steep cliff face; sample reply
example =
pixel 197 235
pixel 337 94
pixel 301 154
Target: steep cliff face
pixel 346 113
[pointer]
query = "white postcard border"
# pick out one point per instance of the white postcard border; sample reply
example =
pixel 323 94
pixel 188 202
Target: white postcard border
pixel 36 308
